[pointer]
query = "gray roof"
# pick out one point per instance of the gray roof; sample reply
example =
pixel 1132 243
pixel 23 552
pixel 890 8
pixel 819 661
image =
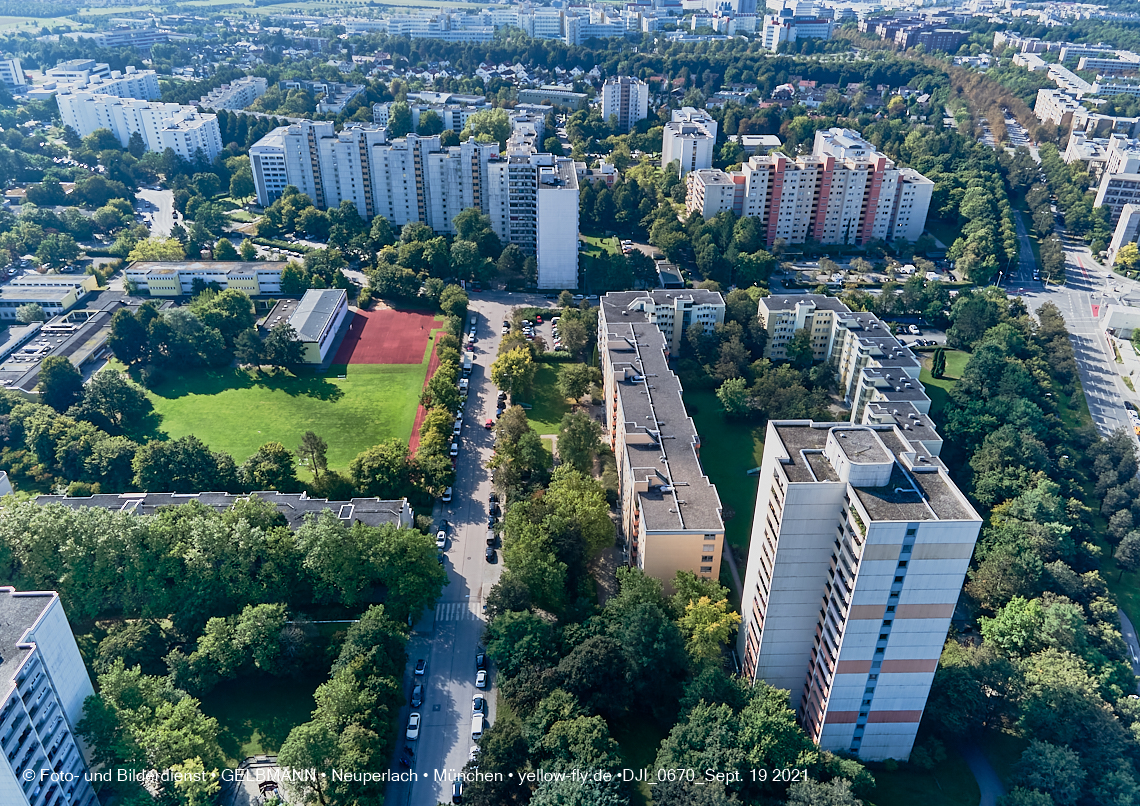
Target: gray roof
pixel 294 506
pixel 314 312
pixel 919 488
pixel 19 612
pixel 615 303
pixel 788 302
pixel 26 293
pixel 653 406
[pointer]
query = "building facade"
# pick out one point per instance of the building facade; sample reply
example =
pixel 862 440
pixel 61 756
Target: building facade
pixel 626 100
pixel 45 684
pixel 530 196
pixel 844 192
pixel 12 74
pixel 1127 230
pixel 670 515
pixel 689 140
pixel 180 128
pixel 175 279
pixel 235 95
pixel 317 319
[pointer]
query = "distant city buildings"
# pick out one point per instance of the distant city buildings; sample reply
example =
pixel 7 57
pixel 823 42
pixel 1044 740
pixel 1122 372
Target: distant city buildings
pixel 531 197
pixel 689 140
pixel 180 128
pixel 45 683
pixel 862 517
pixel 97 78
pixel 236 95
pixel 332 97
pixel 910 31
pixel 453 109
pixel 844 192
pixel 554 95
pixel 790 24
pixel 670 513
pixel 625 100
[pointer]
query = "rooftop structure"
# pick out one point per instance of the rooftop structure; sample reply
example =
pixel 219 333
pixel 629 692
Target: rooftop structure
pixel 176 278
pixel 689 139
pixel 317 319
pixel 293 506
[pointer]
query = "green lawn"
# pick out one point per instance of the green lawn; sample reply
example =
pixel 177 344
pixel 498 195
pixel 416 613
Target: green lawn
pixel 602 243
pixel 238 412
pixel 939 388
pixel 255 714
pixel 949 784
pixel 728 451
pixel 549 404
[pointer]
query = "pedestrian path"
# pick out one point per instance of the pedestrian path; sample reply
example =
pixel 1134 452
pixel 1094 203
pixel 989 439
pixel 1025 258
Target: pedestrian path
pixel 458 611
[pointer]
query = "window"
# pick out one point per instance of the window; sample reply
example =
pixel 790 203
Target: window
pixel 706 569
pixel 706 558
pixel 898 579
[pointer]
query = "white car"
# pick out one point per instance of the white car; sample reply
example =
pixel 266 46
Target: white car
pixel 481 678
pixel 447 496
pixel 413 731
pixel 441 539
pixel 454 449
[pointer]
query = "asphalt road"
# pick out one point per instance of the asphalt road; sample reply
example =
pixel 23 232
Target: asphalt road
pixel 449 636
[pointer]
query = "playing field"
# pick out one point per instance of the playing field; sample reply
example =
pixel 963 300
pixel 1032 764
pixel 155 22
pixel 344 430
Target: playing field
pixel 351 406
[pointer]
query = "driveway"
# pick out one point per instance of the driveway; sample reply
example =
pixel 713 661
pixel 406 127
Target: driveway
pixel 159 207
pixel 449 636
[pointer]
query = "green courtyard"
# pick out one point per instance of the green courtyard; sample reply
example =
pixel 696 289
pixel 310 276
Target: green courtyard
pixel 351 407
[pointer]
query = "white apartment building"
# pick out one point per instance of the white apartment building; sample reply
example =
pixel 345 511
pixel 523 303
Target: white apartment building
pixel 45 684
pixel 235 95
pixel 454 114
pixel 162 126
pixel 626 99
pixel 860 544
pixel 12 74
pixel 1109 87
pixel 98 78
pixel 1127 230
pixel 845 191
pixel 689 140
pixel 176 278
pixel 78 70
pixel 530 197
pixel 670 515
pixel 1116 191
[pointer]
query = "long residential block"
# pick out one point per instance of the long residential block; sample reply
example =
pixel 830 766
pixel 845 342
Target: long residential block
pixel 670 511
pixel 180 128
pixel 176 278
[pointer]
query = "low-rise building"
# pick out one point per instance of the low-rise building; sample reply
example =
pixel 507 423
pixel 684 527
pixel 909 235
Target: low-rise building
pixel 56 294
pixel 316 318
pixel 553 94
pixel 176 278
pixel 45 684
pixel 670 515
pixel 295 507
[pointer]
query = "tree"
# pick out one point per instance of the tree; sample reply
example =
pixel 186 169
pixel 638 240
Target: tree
pixel 181 466
pixel 30 312
pixel 399 119
pixel 574 380
pixel 313 452
pixel 938 363
pixel 272 467
pixel 282 348
pixel 311 748
pixel 707 626
pixel 241 184
pixel 513 371
pixel 118 402
pixel 248 250
pixel 128 337
pixel 383 470
pixel 799 349
pixel 733 395
pixel 574 334
pixel 57 249
pixel 1127 554
pixel 488 126
pixel 229 312
pixel 224 250
pixel 836 792
pixel 61 385
pixel 579 437
pixel 430 123
pixel 453 301
pixel 156 249
pixel 1053 769
pixel 248 348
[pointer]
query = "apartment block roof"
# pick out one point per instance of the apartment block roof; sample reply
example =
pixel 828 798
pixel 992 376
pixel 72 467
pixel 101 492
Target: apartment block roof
pixel 313 313
pixel 680 497
pixel 623 306
pixel 19 612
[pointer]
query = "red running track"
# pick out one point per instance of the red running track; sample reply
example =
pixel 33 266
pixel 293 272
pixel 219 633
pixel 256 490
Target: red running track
pixel 386 337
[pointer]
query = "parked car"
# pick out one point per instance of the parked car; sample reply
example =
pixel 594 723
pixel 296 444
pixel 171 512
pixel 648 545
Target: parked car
pixel 447 496
pixel 454 449
pixel 481 661
pixel 441 539
pixel 478 705
pixel 488 425
pixel 491 556
pixel 421 667
pixel 914 331
pixel 417 695
pixel 413 731
pixel 481 678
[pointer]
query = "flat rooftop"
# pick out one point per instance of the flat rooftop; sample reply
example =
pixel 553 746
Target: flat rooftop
pixel 19 612
pixel 294 506
pixel 910 495
pixel 313 312
pixel 788 302
pixel 619 306
pixel 205 265
pixel 653 407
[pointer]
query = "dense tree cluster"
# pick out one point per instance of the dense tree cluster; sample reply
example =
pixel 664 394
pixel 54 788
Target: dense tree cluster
pixel 1051 663
pixel 1074 192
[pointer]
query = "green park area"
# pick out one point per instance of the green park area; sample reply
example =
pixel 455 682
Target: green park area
pixel 729 449
pixel 255 714
pixel 938 389
pixel 351 407
pixel 549 404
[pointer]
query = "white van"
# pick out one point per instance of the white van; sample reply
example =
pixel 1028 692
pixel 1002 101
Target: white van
pixel 477 723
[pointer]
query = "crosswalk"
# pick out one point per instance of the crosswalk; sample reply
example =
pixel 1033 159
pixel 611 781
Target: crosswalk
pixel 458 611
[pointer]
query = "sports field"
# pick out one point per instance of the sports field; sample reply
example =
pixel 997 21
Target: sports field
pixel 352 406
